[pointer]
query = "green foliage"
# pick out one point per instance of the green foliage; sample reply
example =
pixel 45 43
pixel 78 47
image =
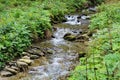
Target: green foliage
pixel 98 67
pixel 108 15
pixel 107 39
pixel 78 3
pixel 81 4
pixel 103 59
pixel 18 27
pixel 75 4
pixel 14 37
pixel 56 8
pixel 22 21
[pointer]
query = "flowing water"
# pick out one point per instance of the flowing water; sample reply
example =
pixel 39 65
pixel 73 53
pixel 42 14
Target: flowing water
pixel 64 57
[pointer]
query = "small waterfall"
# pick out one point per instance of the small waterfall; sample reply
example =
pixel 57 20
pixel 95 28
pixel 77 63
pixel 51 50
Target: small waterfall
pixel 72 20
pixel 59 36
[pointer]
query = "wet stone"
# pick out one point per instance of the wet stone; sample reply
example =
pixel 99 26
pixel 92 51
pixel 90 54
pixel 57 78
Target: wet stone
pixel 36 52
pixel 74 31
pixel 6 73
pixel 25 57
pixel 85 17
pixel 28 61
pixel 15 68
pixel 22 65
pixel 83 37
pixel 11 70
pixel 19 63
pixel 67 34
pixel 13 63
pixel 25 53
pixel 30 51
pixel 35 47
pixel 69 37
pixel 72 58
pixel 34 57
pixel 53 36
pixel 54 29
pixel 50 51
pixel 93 9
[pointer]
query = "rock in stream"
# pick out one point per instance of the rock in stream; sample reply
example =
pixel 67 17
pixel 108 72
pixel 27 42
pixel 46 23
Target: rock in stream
pixel 53 59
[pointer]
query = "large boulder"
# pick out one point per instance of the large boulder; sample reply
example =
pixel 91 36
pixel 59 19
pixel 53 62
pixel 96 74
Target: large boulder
pixel 69 37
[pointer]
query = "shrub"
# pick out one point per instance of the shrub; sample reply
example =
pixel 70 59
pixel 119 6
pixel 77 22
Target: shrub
pixel 108 15
pixel 21 22
pixel 103 59
pixel 18 27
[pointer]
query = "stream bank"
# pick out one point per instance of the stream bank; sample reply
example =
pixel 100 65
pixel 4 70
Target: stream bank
pixel 62 53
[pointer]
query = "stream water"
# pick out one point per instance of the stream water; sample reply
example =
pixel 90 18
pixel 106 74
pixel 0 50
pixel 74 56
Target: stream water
pixel 64 57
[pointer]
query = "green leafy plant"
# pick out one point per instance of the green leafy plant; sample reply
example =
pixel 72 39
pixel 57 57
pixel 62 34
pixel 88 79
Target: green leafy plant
pixel 103 59
pixel 23 21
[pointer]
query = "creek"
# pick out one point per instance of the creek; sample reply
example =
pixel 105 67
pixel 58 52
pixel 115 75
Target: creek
pixel 64 54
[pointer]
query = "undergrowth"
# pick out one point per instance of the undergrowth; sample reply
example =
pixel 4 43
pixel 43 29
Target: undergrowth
pixel 103 59
pixel 23 21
